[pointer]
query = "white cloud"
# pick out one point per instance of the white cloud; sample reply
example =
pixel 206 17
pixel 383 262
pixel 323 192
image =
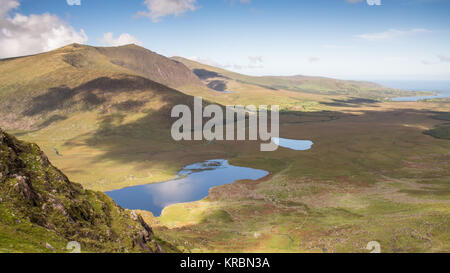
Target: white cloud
pixel 124 39
pixel 24 35
pixel 7 5
pixel 161 8
pixel 391 33
pixel 74 2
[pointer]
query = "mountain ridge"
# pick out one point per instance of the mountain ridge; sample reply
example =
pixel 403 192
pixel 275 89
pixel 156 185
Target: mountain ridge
pixel 132 57
pixel 85 78
pixel 296 83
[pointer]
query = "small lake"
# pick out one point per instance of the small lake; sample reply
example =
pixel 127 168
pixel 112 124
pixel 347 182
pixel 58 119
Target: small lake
pixel 293 144
pixel 193 184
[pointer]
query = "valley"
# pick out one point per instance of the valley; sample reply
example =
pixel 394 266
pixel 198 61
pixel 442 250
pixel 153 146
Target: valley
pixel 103 118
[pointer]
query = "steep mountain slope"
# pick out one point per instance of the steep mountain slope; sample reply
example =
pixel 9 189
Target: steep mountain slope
pixel 212 76
pixel 151 65
pixel 41 210
pixel 104 125
pixel 40 89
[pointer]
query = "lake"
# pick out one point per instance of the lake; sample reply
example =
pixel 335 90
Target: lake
pixel 293 144
pixel 192 184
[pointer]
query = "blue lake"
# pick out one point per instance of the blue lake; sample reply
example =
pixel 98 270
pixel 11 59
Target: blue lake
pixel 293 144
pixel 193 183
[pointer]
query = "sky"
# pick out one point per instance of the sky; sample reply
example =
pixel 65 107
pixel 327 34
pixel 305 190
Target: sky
pixel 347 39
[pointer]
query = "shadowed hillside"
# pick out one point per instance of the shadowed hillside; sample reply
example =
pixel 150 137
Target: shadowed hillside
pixel 38 90
pixel 150 65
pixel 73 97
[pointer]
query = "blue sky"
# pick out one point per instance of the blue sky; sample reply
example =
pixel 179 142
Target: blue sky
pixel 398 40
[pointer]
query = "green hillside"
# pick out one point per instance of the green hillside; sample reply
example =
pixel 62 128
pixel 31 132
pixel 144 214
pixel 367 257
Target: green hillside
pixel 299 83
pixel 37 90
pixel 98 115
pixel 41 210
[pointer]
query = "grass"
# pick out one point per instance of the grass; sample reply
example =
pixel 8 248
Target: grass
pixel 370 175
pixel 366 178
pixel 269 228
pixel 40 206
pixel 441 131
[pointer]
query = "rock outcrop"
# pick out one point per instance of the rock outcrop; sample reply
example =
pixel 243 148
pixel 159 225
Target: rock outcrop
pixel 41 207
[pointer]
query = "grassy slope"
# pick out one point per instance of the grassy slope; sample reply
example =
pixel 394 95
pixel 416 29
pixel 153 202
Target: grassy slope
pixel 151 65
pixel 102 116
pixel 39 206
pixel 54 77
pixel 370 175
pixel 99 116
pixel 441 130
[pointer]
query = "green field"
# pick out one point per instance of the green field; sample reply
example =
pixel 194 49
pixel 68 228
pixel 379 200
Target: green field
pixel 372 179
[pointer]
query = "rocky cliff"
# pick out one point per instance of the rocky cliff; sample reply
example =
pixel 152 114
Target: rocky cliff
pixel 41 210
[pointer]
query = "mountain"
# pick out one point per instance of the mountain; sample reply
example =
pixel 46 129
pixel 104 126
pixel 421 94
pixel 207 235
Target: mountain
pixel 102 115
pixel 150 65
pixel 40 89
pixel 218 78
pixel 41 210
